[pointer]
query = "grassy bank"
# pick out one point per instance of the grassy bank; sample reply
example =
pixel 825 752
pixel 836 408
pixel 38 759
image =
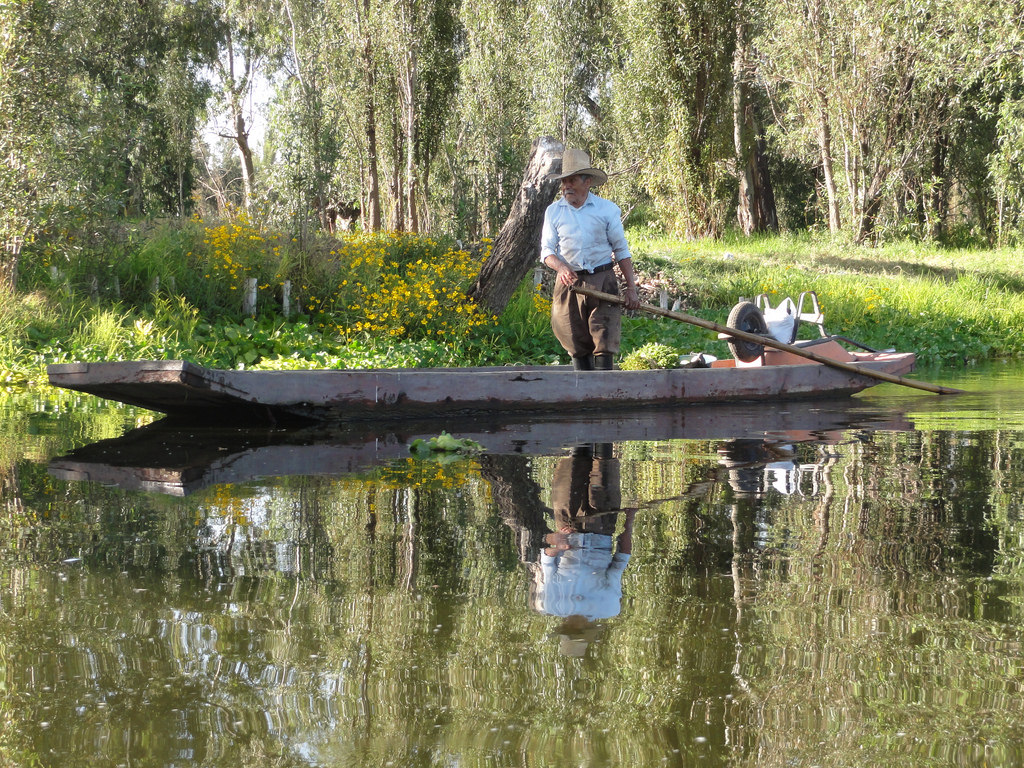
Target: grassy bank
pixel 952 307
pixel 176 290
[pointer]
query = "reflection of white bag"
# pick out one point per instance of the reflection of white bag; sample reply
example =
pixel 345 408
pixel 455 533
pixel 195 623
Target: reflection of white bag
pixel 782 320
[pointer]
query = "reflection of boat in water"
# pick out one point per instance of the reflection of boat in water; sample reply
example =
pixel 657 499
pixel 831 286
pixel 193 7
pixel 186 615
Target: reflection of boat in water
pixel 175 459
pixel 187 390
pixel 754 467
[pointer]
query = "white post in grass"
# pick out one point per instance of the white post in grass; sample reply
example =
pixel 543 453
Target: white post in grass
pixel 249 297
pixel 286 298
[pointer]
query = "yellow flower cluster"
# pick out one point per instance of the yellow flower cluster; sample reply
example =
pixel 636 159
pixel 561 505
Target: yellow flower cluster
pixel 541 302
pixel 405 288
pixel 237 249
pixel 386 285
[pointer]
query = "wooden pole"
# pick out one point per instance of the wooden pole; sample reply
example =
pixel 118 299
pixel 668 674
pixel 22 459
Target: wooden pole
pixel 769 341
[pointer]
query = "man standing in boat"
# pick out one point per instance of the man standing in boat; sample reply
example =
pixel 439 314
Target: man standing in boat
pixel 582 240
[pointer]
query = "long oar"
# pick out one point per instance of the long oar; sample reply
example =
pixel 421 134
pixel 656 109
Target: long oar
pixel 768 341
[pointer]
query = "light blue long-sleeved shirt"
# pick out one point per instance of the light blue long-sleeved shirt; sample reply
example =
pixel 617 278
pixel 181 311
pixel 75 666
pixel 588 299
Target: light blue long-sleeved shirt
pixel 585 237
pixel 585 579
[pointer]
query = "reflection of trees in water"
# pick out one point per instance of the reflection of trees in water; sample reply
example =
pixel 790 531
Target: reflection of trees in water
pixel 517 499
pixel 359 613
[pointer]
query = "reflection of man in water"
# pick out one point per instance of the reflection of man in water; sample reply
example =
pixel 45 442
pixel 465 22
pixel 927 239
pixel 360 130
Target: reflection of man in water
pixel 579 574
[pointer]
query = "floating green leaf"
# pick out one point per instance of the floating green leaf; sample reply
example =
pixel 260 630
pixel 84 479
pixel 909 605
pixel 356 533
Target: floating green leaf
pixel 444 444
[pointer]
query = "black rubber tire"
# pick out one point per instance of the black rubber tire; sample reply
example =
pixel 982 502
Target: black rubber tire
pixel 745 316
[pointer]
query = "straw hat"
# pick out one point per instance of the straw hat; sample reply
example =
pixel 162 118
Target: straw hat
pixel 575 634
pixel 577 161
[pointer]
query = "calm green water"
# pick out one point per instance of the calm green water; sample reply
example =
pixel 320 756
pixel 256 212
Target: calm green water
pixel 836 585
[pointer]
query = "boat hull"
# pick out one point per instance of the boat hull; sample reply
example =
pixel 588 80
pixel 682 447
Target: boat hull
pixel 183 389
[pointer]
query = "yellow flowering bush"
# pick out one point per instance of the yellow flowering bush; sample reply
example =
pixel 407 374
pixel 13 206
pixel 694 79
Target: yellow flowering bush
pixel 238 249
pixel 358 288
pixel 402 287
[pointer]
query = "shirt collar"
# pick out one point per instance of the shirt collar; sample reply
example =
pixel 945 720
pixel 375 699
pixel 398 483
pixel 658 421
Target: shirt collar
pixel 588 201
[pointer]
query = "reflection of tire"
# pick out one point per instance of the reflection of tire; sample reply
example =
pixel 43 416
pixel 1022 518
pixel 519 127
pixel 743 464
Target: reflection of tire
pixel 745 316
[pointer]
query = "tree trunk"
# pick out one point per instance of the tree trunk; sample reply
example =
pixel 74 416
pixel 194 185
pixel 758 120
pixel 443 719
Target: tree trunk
pixel 8 273
pixel 409 126
pixel 237 85
pixel 9 257
pixel 825 145
pixel 241 138
pixel 397 189
pixel 408 85
pixel 755 210
pixel 940 186
pixel 515 249
pixel 373 219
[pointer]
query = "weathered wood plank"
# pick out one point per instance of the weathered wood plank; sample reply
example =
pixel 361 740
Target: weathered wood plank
pixel 181 388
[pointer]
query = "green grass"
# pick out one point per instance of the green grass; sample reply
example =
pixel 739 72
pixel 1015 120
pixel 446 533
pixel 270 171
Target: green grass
pixel 950 306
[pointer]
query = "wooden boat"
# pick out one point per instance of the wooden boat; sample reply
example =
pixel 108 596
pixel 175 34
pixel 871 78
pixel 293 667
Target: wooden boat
pixel 184 389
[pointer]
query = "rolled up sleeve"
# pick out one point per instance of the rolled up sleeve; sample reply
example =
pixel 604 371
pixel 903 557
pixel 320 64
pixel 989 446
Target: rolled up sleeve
pixel 548 235
pixel 617 236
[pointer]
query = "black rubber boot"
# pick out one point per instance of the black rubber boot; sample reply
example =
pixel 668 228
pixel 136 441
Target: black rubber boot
pixel 583 363
pixel 603 361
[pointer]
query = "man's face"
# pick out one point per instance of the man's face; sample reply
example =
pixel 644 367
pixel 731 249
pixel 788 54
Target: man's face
pixel 575 189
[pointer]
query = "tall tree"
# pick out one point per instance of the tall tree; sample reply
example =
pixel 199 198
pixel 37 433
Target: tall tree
pixel 31 103
pixel 755 209
pixel 88 130
pixel 309 40
pixel 673 105
pixel 367 48
pixel 424 45
pixel 570 52
pixel 484 153
pixel 885 82
pixel 240 67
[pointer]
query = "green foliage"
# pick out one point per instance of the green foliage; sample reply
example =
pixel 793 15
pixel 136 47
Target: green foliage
pixel 672 106
pixel 244 344
pixel 949 306
pixel 921 120
pixel 651 356
pixel 429 107
pixel 523 332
